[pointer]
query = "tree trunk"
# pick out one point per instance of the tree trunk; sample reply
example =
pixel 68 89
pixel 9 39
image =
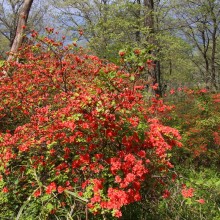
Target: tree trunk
pixel 22 21
pixel 213 58
pixel 138 33
pixel 149 18
pixel 213 55
pixel 154 74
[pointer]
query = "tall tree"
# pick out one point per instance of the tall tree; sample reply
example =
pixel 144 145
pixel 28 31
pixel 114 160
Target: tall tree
pixel 111 25
pixel 154 74
pixel 9 15
pixel 22 22
pixel 108 25
pixel 200 24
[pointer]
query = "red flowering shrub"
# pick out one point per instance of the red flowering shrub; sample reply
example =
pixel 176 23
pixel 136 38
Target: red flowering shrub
pixel 72 125
pixel 197 117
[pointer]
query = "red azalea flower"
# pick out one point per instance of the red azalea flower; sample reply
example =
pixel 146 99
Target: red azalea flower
pixel 187 193
pixel 201 201
pixel 51 187
pixel 150 64
pixel 37 193
pixel 5 190
pixel 121 53
pixel 60 189
pixel 166 194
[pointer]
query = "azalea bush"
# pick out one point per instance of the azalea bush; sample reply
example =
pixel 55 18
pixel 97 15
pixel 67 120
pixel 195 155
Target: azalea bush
pixel 196 192
pixel 77 136
pixel 197 116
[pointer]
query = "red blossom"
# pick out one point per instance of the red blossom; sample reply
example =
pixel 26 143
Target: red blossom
pixel 201 201
pixel 117 179
pixel 80 32
pixel 121 53
pixel 51 187
pixel 137 51
pixel 60 189
pixel 150 64
pixel 166 194
pixel 37 193
pixel 187 193
pixel 117 214
pixel 155 86
pixel 5 190
pixel 172 91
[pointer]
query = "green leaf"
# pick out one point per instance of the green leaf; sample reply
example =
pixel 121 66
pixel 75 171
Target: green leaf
pixel 217 183
pixel 49 206
pixel 112 75
pixel 188 201
pixel 132 78
pixel 2 63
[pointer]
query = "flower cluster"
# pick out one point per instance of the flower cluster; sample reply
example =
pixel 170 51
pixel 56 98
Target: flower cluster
pixel 187 193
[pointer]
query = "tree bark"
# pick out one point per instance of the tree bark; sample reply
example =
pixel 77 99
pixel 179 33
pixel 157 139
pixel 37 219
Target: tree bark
pixel 154 74
pixel 149 18
pixel 214 49
pixel 138 33
pixel 213 58
pixel 22 21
